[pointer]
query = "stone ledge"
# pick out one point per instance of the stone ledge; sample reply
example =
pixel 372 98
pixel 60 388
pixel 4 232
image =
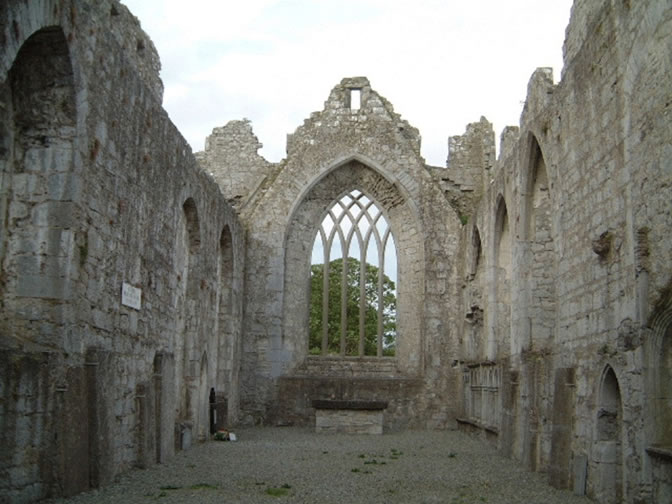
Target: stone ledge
pixel 661 452
pixel 348 421
pixel 341 404
pixel 473 423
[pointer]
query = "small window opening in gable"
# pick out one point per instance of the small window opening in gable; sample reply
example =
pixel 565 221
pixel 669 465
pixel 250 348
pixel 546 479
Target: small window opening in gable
pixel 355 99
pixel 353 281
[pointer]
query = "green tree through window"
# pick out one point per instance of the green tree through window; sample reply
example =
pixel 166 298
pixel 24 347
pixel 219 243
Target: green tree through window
pixel 353 309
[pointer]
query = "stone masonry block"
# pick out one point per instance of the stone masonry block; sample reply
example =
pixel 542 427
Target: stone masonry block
pixel 349 421
pixel 43 286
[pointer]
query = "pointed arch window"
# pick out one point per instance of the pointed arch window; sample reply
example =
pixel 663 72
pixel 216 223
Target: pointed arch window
pixel 353 275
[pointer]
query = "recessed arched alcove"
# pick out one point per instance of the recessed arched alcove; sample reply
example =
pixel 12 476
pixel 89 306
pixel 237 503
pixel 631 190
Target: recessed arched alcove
pixel 538 235
pixel 37 143
pixel 225 322
pixel 228 332
pixel 474 344
pixel 477 253
pixel 664 390
pixel 192 226
pixel 42 91
pixel 658 424
pixel 39 267
pixel 607 448
pixel 187 358
pixel 163 406
pixel 202 401
pixel 502 280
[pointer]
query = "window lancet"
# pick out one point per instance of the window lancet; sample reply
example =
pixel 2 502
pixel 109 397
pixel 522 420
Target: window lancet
pixel 353 273
pixel 355 99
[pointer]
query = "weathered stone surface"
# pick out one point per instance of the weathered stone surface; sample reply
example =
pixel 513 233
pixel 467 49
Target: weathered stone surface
pixel 94 180
pixel 534 290
pixel 348 404
pixel 579 295
pixel 349 421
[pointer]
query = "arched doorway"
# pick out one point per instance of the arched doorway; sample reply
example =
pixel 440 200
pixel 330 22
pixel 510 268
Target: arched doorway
pixel 607 450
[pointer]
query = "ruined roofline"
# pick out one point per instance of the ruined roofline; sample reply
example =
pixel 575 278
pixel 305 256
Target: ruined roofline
pixel 353 100
pixel 138 47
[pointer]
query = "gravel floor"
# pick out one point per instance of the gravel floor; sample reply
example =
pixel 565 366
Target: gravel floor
pixel 268 465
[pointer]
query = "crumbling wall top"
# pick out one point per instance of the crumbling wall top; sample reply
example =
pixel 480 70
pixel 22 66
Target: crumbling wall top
pixel 508 141
pixel 539 91
pixel 86 25
pixel 231 157
pixel 236 135
pixel 137 45
pixel 581 19
pixel 354 102
pixel 470 157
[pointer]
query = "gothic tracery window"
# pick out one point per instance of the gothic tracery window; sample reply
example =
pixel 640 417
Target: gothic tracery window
pixel 353 275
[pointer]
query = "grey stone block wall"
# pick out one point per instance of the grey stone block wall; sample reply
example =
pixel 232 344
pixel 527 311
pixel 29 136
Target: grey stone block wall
pixel 586 318
pixel 94 185
pixel 231 157
pixel 534 301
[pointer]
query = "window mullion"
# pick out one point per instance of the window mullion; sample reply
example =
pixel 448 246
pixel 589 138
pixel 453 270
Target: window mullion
pixel 362 295
pixel 325 305
pixel 344 302
pixel 381 276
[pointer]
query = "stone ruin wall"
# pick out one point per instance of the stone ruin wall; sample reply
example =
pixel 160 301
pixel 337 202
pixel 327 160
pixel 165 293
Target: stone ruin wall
pixel 100 189
pixel 562 324
pixel 231 157
pixel 334 151
pixel 566 293
pixel 537 307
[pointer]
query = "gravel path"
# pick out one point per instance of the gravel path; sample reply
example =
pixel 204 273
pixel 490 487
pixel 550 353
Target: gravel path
pixel 297 465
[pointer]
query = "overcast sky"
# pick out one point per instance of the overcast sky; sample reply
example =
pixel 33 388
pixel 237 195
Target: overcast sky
pixel 441 63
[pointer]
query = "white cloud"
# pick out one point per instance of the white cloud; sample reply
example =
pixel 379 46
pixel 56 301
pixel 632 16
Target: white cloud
pixel 441 63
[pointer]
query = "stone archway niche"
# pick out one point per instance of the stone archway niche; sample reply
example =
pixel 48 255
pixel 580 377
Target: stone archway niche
pixel 303 226
pixel 607 450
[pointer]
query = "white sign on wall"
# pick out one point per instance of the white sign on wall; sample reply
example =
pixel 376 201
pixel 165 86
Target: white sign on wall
pixel 131 296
